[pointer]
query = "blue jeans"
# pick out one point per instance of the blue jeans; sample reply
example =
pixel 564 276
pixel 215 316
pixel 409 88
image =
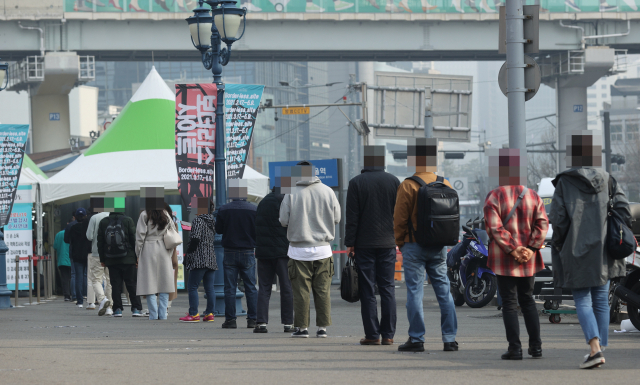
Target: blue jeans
pixel 80 281
pixel 195 276
pixel 417 259
pixel 592 306
pixel 243 263
pixel 158 307
pixel 73 280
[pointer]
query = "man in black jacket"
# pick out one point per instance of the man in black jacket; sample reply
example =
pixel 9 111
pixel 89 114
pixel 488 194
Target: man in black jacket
pixel 271 253
pixel 371 198
pixel 236 221
pixel 78 251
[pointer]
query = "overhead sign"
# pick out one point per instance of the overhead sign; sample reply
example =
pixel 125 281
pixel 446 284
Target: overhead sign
pixel 296 111
pixel 241 110
pixel 327 170
pixel 13 139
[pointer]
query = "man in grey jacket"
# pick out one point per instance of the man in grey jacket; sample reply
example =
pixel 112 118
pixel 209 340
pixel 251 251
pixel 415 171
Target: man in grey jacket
pixel 310 215
pixel 578 214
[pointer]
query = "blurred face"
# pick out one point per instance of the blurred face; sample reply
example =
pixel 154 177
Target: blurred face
pixel 238 189
pixel 507 167
pixel 200 205
pixel 374 157
pixel 422 155
pixel 152 198
pixel 584 149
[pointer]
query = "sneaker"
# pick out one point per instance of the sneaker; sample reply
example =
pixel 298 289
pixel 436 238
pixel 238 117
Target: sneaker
pixel 300 334
pixel 289 329
pixel 230 324
pixel 117 313
pixel 311 7
pixel 604 7
pixel 109 312
pixel 450 346
pixel 321 333
pixel 251 323
pixel 91 306
pixel 594 361
pixel 79 305
pixel 137 313
pixel 411 346
pixel 104 305
pixel 342 5
pixel 190 318
pixel 572 5
pixel 208 318
pixel 67 299
pixel 261 328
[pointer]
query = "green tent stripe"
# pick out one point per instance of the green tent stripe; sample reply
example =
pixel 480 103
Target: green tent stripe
pixel 28 163
pixel 143 125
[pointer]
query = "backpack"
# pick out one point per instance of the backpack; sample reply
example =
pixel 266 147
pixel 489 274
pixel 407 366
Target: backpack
pixel 438 214
pixel 620 240
pixel 115 239
pixel 349 282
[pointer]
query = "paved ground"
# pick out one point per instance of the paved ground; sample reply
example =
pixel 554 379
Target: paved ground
pixel 57 343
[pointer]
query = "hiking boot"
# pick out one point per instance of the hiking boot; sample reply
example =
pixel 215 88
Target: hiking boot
pixel 208 318
pixel 411 346
pixel 261 328
pixel 289 329
pixel 450 346
pixel 229 324
pixel 251 323
pixel 300 334
pixel 117 313
pixel 190 318
pixel 366 341
pixel 104 305
pixel 591 362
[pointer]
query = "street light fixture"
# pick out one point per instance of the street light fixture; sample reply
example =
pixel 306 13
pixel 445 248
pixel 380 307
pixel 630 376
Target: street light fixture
pixel 4 75
pixel 209 28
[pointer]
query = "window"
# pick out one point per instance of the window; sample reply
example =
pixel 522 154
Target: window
pixel 594 104
pixel 632 125
pixel 616 127
pixel 592 122
pixel 591 96
pixel 616 132
pixel 604 86
pixel 604 96
pixel 593 87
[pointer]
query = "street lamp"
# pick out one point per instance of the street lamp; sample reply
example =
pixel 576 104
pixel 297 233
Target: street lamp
pixel 209 28
pixel 4 75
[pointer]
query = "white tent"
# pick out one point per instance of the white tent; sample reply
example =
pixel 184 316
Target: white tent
pixel 137 150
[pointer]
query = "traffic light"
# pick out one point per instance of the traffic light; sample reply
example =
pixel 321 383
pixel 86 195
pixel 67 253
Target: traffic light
pixel 454 155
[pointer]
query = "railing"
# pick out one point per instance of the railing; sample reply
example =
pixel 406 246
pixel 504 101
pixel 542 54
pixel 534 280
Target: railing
pixel 22 73
pixel 86 68
pixel 620 63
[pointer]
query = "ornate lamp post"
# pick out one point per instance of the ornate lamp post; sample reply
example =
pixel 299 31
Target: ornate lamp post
pixel 209 28
pixel 4 75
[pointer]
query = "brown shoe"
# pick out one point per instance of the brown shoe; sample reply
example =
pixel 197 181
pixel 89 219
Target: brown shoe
pixel 387 341
pixel 365 341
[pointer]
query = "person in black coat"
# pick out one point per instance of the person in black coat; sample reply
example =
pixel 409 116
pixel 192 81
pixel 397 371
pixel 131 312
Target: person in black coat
pixel 369 238
pixel 271 253
pixel 79 249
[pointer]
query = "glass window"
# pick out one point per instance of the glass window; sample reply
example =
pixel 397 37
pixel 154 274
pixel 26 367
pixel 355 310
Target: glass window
pixel 594 104
pixel 632 126
pixel 604 96
pixel 604 86
pixel 616 127
pixel 591 96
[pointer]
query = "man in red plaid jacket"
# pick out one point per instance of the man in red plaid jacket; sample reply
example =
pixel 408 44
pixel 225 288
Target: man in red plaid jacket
pixel 514 248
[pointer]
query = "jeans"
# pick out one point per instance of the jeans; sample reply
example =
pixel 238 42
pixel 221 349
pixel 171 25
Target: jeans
pixel 416 260
pixel 128 274
pixel 243 263
pixel 268 269
pixel 377 266
pixel 73 280
pixel 80 283
pixel 592 306
pixel 514 290
pixel 158 306
pixel 195 276
pixel 65 277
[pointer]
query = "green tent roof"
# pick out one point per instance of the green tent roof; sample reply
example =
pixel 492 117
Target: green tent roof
pixel 28 163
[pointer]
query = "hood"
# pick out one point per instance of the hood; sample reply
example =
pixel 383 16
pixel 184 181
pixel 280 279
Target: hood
pixel 367 169
pixel 308 182
pixel 208 219
pixel 587 180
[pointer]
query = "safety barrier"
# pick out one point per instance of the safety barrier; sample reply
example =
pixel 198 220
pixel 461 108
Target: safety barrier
pixel 44 270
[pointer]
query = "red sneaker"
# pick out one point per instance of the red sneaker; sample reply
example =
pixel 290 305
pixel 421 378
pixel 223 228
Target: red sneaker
pixel 208 318
pixel 190 318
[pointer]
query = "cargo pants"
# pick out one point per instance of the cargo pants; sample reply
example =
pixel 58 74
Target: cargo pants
pixel 308 276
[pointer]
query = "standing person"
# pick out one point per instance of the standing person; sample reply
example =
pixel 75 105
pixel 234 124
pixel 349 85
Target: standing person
pixel 155 268
pixel 422 158
pixel 116 247
pixel 271 252
pixel 98 273
pixel 517 224
pixel 72 287
pixel 371 198
pixel 310 216
pixel 578 214
pixel 91 295
pixel 236 221
pixel 200 260
pixel 64 263
pixel 79 248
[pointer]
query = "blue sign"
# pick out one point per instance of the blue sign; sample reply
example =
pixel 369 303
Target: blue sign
pixel 13 139
pixel 577 108
pixel 326 171
pixel 54 116
pixel 241 102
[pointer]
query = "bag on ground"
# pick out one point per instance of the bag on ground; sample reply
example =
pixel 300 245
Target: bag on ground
pixel 114 237
pixel 349 282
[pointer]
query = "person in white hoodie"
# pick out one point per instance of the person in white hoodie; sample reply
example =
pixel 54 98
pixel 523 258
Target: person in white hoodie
pixel 98 272
pixel 310 214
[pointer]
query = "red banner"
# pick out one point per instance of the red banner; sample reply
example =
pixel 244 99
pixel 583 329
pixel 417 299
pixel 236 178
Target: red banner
pixel 195 139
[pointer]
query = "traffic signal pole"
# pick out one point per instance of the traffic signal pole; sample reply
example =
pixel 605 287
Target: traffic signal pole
pixel 515 72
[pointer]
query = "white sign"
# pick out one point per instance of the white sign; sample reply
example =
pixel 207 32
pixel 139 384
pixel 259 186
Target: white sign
pixel 18 237
pixel 461 187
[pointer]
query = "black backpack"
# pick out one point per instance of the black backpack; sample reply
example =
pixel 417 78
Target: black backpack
pixel 115 239
pixel 620 240
pixel 438 214
pixel 349 282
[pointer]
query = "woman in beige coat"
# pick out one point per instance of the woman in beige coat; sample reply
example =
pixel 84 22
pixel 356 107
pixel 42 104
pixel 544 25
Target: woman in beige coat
pixel 155 268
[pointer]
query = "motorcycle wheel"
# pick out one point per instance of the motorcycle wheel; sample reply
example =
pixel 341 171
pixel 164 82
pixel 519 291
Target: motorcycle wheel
pixel 634 312
pixel 614 302
pixel 480 295
pixel 458 299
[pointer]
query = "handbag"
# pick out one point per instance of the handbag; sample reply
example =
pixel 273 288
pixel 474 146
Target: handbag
pixel 349 281
pixel 620 241
pixel 171 237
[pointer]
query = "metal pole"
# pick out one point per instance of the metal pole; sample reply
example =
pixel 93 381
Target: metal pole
pixel 17 276
pixel 607 141
pixel 38 272
pixel 515 74
pixel 428 116
pixel 30 261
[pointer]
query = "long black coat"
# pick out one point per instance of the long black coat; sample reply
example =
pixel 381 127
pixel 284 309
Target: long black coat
pixel 271 237
pixel 371 199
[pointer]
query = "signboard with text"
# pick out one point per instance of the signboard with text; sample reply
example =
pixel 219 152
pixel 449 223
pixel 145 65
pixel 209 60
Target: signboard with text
pixel 241 110
pixel 327 170
pixel 13 139
pixel 296 110
pixel 18 235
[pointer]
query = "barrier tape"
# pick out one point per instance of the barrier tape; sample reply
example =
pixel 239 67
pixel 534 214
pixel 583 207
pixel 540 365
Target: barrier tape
pixel 36 258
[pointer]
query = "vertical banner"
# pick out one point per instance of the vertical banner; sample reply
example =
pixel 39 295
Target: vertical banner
pixel 13 139
pixel 195 132
pixel 241 109
pixel 177 213
pixel 18 235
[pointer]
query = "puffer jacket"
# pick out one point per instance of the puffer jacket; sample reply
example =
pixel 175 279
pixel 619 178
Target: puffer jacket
pixel 271 237
pixel 201 254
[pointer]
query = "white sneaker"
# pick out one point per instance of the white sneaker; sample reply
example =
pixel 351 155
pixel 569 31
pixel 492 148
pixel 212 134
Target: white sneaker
pixel 311 7
pixel 458 6
pixel 341 5
pixel 109 312
pixel 104 304
pixel 91 306
pixel 80 306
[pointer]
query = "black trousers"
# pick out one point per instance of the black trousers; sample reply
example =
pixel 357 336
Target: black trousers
pixel 268 269
pixel 377 266
pixel 514 290
pixel 65 278
pixel 129 275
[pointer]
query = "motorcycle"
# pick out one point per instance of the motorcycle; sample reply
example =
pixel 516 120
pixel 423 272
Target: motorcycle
pixel 472 282
pixel 627 290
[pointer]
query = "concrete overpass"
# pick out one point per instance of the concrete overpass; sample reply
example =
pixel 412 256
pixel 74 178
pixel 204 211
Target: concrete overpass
pixel 125 36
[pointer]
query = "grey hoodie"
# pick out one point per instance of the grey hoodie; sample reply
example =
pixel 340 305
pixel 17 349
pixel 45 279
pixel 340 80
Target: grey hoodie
pixel 578 213
pixel 310 214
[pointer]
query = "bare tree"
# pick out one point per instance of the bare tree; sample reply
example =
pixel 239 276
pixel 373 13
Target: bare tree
pixel 542 165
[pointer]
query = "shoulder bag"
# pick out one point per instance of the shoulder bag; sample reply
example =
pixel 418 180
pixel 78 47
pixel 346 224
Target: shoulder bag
pixel 349 281
pixel 171 237
pixel 620 241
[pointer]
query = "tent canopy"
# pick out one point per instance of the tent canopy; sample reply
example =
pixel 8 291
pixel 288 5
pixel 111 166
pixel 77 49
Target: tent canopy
pixel 137 150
